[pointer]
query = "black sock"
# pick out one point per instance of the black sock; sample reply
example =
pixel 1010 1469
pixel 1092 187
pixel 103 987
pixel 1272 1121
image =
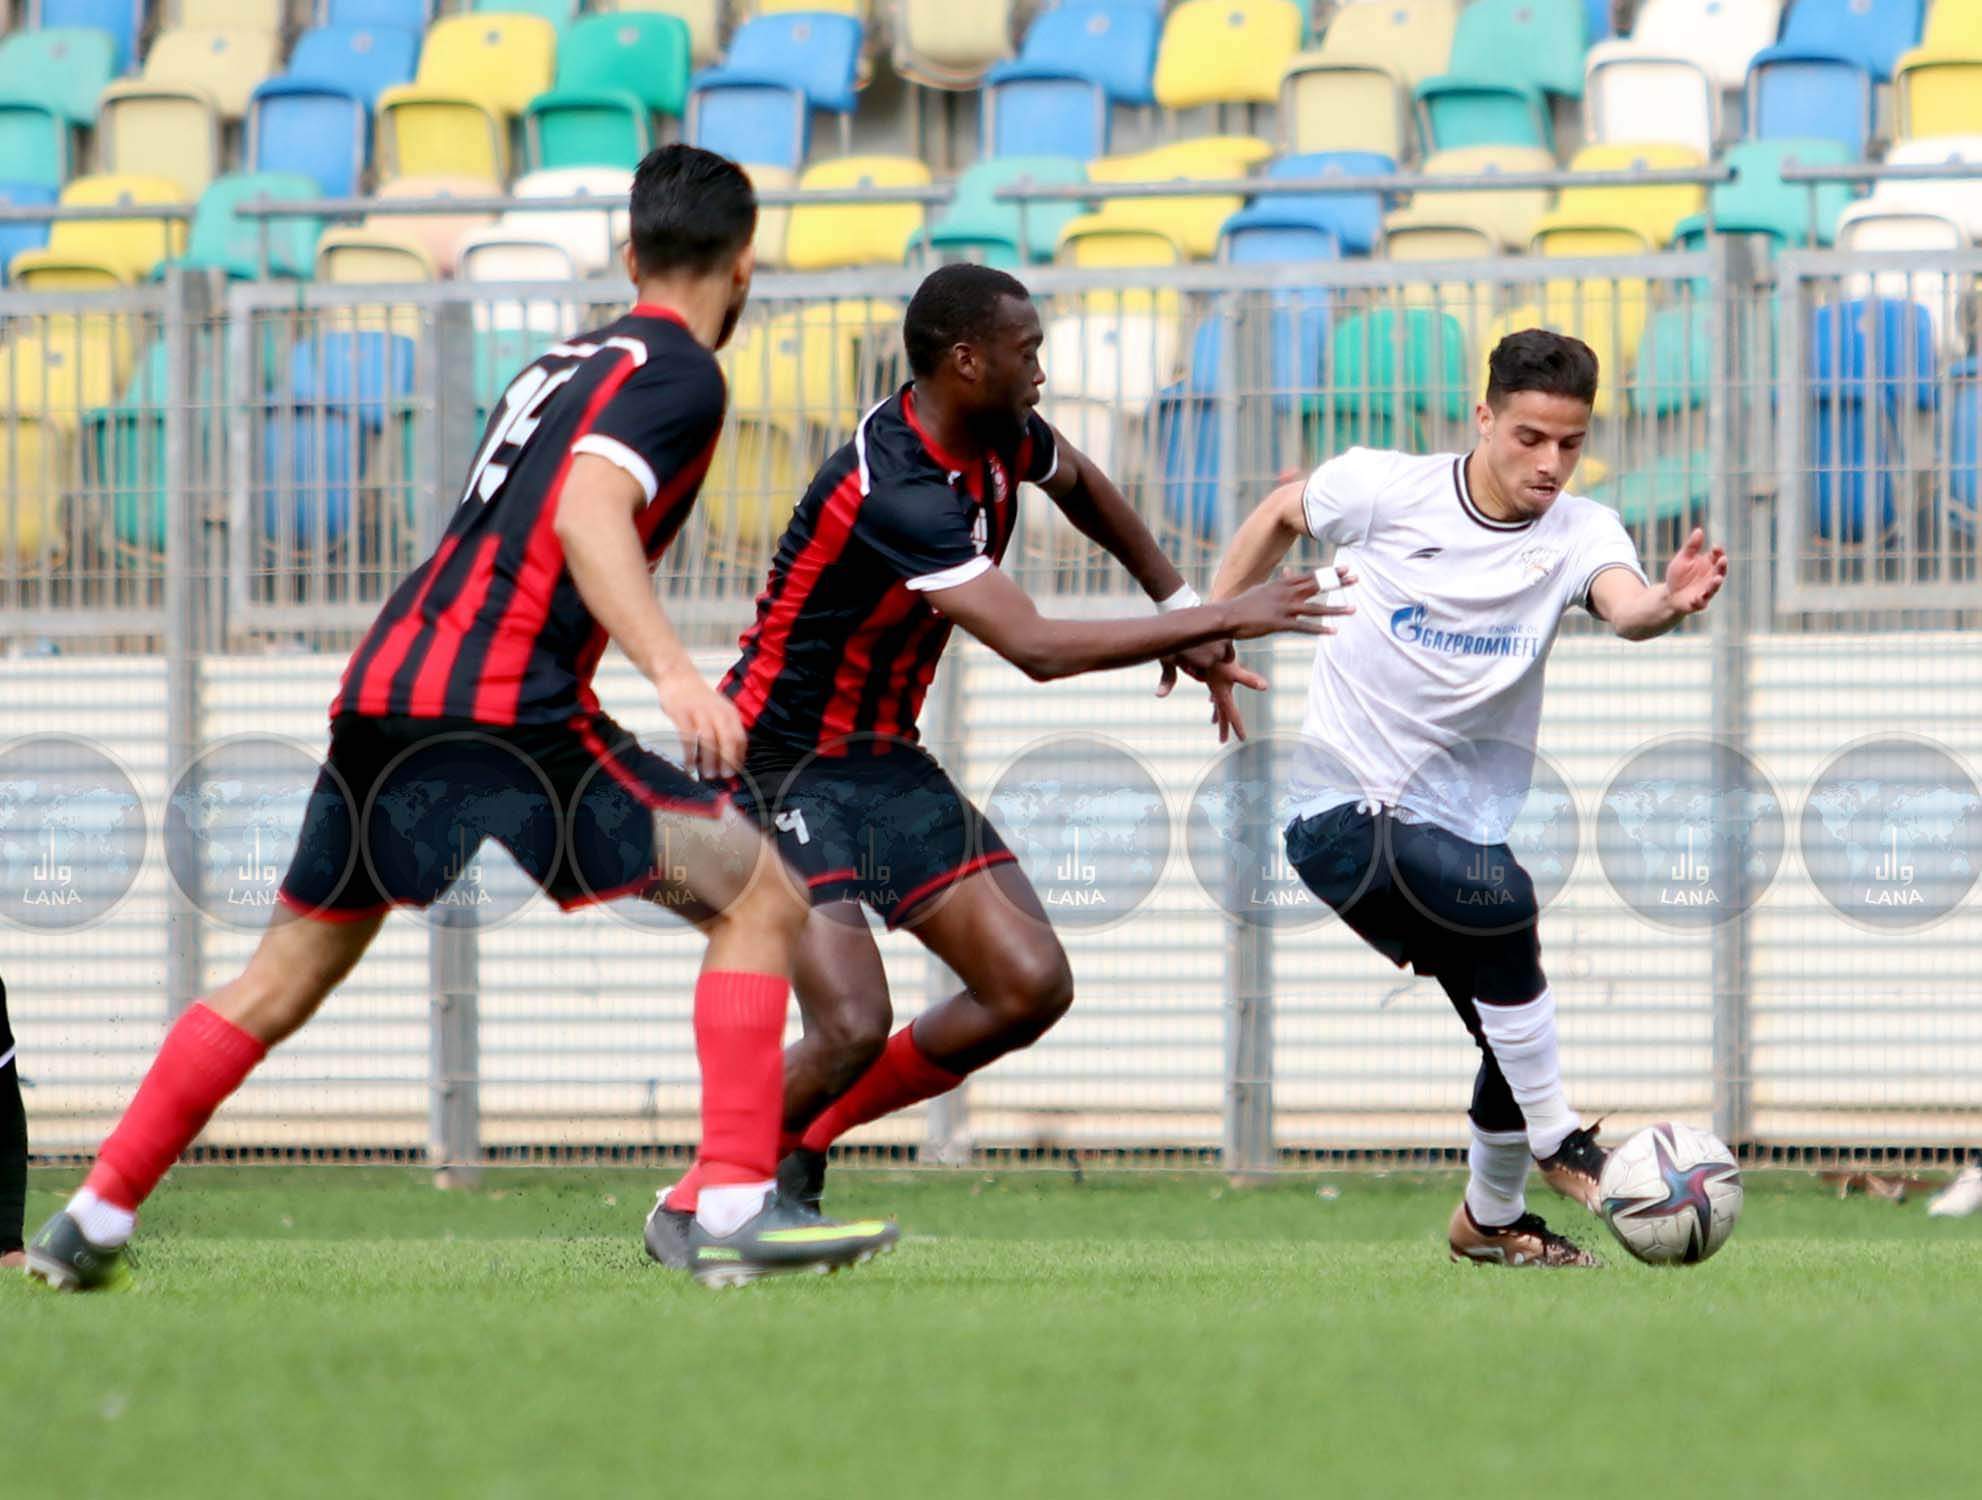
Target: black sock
pixel 13 1140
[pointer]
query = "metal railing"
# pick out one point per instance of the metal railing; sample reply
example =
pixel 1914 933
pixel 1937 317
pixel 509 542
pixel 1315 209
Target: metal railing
pixel 225 529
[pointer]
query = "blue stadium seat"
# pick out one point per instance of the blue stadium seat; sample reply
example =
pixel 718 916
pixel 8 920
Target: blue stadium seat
pixel 757 106
pixel 1599 19
pixel 1261 237
pixel 1113 45
pixel 1354 220
pixel 14 238
pixel 369 371
pixel 122 19
pixel 1871 363
pixel 1965 445
pixel 407 15
pixel 343 388
pixel 319 130
pixel 1821 79
pixel 1030 113
pixel 365 61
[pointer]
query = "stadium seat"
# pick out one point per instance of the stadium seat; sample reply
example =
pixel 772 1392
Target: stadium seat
pixel 816 364
pixel 221 240
pixel 1965 445
pixel 18 235
pixel 1871 364
pixel 1353 220
pixel 1494 221
pixel 1121 360
pixel 1513 55
pixel 1758 201
pixel 1329 107
pixel 773 223
pixel 757 105
pixel 438 233
pixel 941 45
pixel 614 74
pixel 1648 215
pixel 371 257
pixel 1388 371
pixel 1409 39
pixel 759 471
pixel 316 117
pixel 824 236
pixel 1193 223
pixel 167 122
pixel 121 20
pixel 343 392
pixel 410 16
pixel 50 383
pixel 1633 96
pixel 49 84
pixel 230 15
pixel 1720 37
pixel 704 19
pixel 1672 488
pixel 1820 80
pixel 547 244
pixel 560 13
pixel 1226 52
pixel 123 445
pixel 96 254
pixel 365 62
pixel 37 470
pixel 1959 199
pixel 1674 371
pixel 1054 98
pixel 1937 93
pixel 476 74
pixel 978 225
pixel 1879 223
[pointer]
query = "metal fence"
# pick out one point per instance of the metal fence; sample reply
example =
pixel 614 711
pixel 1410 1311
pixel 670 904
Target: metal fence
pixel 207 491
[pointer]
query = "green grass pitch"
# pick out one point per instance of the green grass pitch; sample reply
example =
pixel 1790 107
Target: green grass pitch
pixel 356 1333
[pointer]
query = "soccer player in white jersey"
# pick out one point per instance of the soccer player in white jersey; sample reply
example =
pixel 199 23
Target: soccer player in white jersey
pixel 1421 724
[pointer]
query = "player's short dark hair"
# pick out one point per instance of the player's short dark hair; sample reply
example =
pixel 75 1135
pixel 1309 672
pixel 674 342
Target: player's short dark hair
pixel 692 210
pixel 1536 359
pixel 955 304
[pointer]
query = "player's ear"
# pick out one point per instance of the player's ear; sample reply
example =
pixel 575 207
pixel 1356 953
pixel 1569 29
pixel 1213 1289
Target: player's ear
pixel 745 268
pixel 632 265
pixel 1483 420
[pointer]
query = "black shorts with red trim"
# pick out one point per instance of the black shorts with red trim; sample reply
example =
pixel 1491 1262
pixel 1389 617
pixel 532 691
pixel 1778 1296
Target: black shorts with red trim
pixel 401 806
pixel 890 830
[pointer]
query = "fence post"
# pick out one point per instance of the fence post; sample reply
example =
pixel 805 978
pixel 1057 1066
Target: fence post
pixel 1727 511
pixel 454 1143
pixel 946 1124
pixel 188 304
pixel 1248 1135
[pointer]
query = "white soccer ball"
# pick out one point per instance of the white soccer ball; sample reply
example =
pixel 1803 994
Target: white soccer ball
pixel 1671 1194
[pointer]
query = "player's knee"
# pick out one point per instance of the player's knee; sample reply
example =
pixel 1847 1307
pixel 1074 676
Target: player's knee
pixel 1035 988
pixel 854 1034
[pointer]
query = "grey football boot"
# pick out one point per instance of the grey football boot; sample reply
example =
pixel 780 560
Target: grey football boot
pixel 62 1256
pixel 784 1239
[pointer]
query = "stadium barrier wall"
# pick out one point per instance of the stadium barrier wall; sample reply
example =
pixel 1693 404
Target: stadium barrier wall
pixel 209 489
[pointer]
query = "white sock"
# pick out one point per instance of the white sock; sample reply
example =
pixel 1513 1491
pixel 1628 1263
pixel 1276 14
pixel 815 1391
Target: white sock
pixel 724 1210
pixel 1523 1041
pixel 104 1225
pixel 1499 1159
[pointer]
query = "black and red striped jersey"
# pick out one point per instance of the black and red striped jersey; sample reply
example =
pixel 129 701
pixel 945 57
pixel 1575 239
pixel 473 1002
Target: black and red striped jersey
pixel 844 642
pixel 491 626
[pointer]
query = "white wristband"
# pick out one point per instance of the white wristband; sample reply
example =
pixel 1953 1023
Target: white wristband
pixel 1185 598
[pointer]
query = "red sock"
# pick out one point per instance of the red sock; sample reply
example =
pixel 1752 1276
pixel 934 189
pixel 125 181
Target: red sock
pixel 900 1076
pixel 739 1042
pixel 687 1193
pixel 203 1060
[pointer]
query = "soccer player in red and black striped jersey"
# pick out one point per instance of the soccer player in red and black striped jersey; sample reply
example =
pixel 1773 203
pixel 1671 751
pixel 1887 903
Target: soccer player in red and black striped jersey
pixel 467 713
pixel 896 542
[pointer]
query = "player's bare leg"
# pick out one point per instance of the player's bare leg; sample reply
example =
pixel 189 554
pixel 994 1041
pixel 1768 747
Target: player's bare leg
pixel 992 931
pixel 731 883
pixel 205 1057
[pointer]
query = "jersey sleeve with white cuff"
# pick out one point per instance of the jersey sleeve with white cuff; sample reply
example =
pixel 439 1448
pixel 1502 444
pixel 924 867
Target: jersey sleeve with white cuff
pixel 1428 698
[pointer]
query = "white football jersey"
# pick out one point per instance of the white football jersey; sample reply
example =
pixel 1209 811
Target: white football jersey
pixel 1429 698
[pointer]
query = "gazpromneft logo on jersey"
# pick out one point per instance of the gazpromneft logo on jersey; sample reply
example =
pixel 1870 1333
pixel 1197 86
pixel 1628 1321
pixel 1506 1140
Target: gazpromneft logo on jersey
pixel 1408 625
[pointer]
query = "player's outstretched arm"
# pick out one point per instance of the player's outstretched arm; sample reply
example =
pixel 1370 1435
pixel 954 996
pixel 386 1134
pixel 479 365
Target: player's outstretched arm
pixel 1639 612
pixel 1002 615
pixel 595 525
pixel 1262 542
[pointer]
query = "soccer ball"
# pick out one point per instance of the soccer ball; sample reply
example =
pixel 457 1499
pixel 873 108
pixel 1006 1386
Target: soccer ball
pixel 1671 1194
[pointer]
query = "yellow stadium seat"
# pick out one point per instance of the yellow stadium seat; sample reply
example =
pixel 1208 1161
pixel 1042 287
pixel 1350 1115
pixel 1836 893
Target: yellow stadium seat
pixel 37 464
pixel 167 122
pixel 437 233
pixel 1953 26
pixel 754 483
pixel 371 257
pixel 773 224
pixel 1329 106
pixel 1650 213
pixel 823 236
pixel 71 367
pixel 1426 234
pixel 818 364
pixel 942 45
pixel 477 72
pixel 1193 223
pixel 1938 93
pixel 703 17
pixel 89 255
pixel 1504 220
pixel 1099 242
pixel 1409 39
pixel 233 15
pixel 1226 52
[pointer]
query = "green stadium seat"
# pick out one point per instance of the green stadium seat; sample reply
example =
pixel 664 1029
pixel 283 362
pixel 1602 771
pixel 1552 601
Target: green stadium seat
pixel 1390 369
pixel 614 74
pixel 978 225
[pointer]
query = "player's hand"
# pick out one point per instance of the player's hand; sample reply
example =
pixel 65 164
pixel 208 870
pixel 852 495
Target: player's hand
pixel 1695 575
pixel 712 737
pixel 1199 662
pixel 1224 702
pixel 1291 602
